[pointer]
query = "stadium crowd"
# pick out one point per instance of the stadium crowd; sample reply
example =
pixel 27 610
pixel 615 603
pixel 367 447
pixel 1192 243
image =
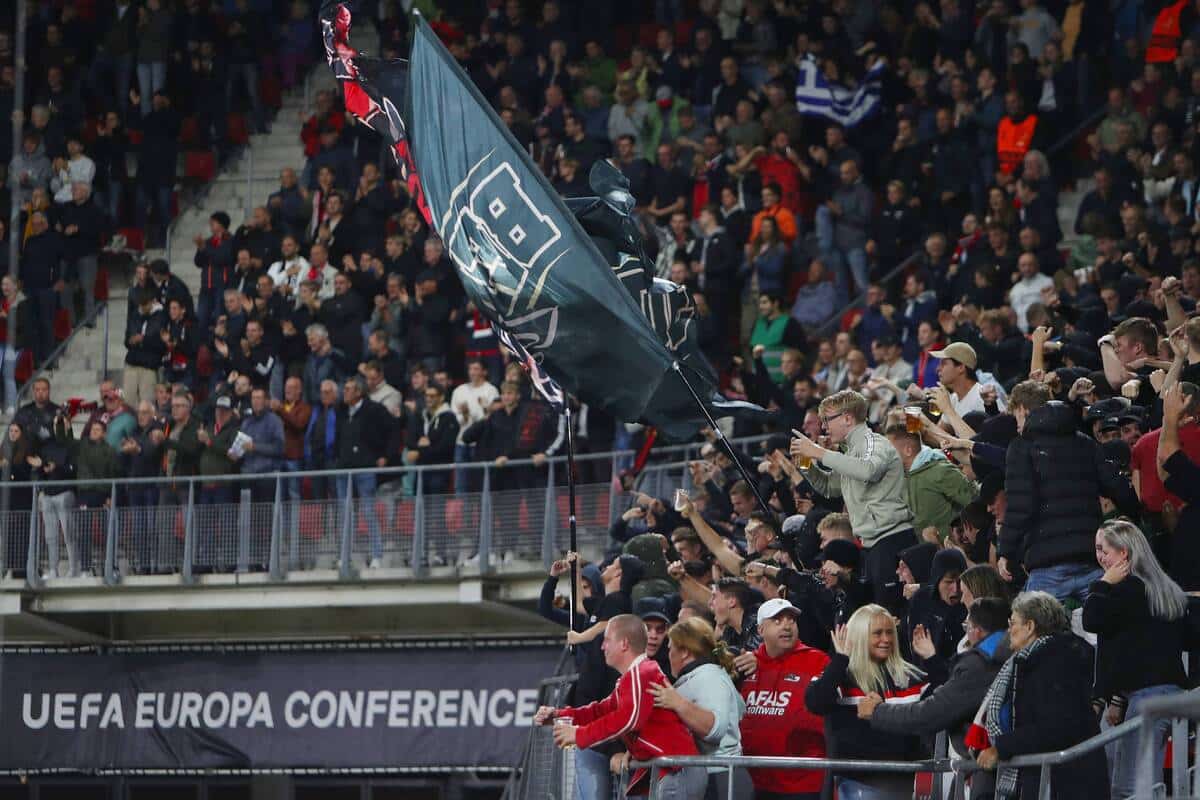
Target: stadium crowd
pixel 981 482
pixel 122 100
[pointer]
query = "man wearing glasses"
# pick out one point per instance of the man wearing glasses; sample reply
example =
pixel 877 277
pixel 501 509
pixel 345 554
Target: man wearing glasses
pixel 866 472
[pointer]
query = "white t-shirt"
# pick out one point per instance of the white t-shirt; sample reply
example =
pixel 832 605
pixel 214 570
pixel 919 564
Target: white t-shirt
pixel 1025 293
pixel 477 398
pixel 973 401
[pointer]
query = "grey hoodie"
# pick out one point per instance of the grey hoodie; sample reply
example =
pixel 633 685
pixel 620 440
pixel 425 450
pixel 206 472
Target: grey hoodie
pixel 35 168
pixel 869 476
pixel 711 688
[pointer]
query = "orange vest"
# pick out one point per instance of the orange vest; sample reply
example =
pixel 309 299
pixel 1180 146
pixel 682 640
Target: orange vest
pixel 1165 35
pixel 1013 140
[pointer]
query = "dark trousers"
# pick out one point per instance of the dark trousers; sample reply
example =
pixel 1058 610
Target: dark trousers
pixel 87 538
pixel 45 301
pixel 143 499
pixel 879 568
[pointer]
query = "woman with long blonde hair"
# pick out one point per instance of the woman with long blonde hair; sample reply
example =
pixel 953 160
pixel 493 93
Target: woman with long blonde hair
pixel 1136 612
pixel 705 698
pixel 867 663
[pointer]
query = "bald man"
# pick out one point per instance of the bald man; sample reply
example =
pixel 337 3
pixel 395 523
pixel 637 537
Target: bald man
pixel 629 713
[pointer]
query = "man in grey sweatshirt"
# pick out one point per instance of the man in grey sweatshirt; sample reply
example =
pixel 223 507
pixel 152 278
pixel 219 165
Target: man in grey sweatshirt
pixel 851 208
pixel 264 451
pixel 868 475
pixel 29 169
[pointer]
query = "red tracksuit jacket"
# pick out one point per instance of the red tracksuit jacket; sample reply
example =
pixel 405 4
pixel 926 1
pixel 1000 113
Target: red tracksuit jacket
pixel 777 723
pixel 629 713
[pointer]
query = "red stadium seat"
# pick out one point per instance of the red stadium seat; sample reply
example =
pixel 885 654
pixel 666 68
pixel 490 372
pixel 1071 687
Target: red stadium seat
pixel 453 516
pixel 189 131
pixel 135 238
pixel 24 369
pixel 135 136
pixel 199 165
pixel 62 325
pixel 647 33
pixel 235 129
pixel 683 32
pixel 269 90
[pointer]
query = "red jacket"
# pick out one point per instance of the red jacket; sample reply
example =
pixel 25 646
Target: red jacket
pixel 629 712
pixel 777 723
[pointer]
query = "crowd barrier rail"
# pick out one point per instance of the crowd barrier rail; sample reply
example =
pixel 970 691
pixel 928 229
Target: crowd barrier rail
pixel 339 522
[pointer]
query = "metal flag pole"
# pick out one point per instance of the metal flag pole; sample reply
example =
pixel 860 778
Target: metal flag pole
pixel 753 484
pixel 574 545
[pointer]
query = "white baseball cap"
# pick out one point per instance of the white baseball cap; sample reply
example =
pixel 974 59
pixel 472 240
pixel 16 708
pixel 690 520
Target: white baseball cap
pixel 773 608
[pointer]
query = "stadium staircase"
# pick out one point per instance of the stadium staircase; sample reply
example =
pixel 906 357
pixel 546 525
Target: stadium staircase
pixel 245 181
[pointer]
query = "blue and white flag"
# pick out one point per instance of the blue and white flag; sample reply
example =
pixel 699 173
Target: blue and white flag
pixel 817 96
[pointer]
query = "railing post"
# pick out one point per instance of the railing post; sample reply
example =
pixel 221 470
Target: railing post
pixel 32 575
pixel 417 560
pixel 110 539
pixel 1147 765
pixel 273 565
pixel 614 488
pixel 243 548
pixel 940 747
pixel 294 530
pixel 485 523
pixel 1044 782
pixel 344 570
pixel 1179 756
pixel 250 177
pixel 104 358
pixel 549 519
pixel 189 535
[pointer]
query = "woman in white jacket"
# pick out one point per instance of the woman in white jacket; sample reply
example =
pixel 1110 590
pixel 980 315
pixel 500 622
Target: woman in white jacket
pixel 705 698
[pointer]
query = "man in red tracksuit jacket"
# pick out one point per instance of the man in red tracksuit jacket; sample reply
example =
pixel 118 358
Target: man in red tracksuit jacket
pixel 629 713
pixel 777 723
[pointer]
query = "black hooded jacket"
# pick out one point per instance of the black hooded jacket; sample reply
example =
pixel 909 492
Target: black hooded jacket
pixel 1054 477
pixel 943 622
pixel 919 559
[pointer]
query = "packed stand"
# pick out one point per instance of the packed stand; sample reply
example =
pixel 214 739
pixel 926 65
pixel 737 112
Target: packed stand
pixel 978 494
pixel 117 95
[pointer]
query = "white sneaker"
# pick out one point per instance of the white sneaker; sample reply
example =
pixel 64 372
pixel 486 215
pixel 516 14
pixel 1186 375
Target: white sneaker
pixel 472 562
pixel 509 557
pixel 375 564
pixel 436 560
pixel 10 411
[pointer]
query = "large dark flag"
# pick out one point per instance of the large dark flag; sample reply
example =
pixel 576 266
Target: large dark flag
pixel 524 259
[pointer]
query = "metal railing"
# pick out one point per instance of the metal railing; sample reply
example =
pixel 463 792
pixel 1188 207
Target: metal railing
pixel 336 521
pixel 1185 778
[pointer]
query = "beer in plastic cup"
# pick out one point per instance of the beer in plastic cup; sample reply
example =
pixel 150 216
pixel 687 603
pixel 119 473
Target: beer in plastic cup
pixel 912 419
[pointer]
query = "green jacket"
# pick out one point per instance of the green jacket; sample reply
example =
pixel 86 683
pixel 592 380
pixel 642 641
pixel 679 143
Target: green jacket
pixel 937 492
pixel 663 127
pixel 95 461
pixel 869 476
pixel 214 459
pixel 181 455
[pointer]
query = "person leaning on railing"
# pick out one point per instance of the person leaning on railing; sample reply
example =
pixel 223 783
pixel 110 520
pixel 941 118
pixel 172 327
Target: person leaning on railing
pixel 867 660
pixel 953 704
pixel 629 714
pixel 1137 613
pixel 706 699
pixel 1041 701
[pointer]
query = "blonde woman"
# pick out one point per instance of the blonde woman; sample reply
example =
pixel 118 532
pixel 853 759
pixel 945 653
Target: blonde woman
pixel 1136 612
pixel 707 701
pixel 867 663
